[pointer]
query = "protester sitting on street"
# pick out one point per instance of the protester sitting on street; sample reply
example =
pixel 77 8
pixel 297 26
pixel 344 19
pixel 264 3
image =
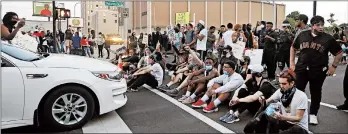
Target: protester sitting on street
pixel 151 75
pixel 178 75
pixel 246 98
pixel 130 61
pixel 222 85
pixel 182 56
pixel 227 54
pixel 288 111
pixel 243 68
pixel 195 65
pixel 85 46
pixel 143 62
pixel 8 29
pixel 199 84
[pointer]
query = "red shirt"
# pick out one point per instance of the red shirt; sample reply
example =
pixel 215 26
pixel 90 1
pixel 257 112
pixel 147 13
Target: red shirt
pixel 84 42
pixel 45 12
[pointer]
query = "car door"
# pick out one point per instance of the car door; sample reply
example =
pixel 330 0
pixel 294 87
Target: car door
pixel 12 91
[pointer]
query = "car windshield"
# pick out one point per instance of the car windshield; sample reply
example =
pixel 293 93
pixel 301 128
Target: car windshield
pixel 19 52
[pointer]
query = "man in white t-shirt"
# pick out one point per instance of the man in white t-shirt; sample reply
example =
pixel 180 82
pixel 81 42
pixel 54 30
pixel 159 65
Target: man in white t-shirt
pixel 227 36
pixel 202 39
pixel 151 75
pixel 288 111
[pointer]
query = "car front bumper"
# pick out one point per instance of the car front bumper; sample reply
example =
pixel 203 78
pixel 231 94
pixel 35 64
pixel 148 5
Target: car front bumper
pixel 111 95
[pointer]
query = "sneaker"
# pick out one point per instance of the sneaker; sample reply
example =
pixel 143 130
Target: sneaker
pixel 173 92
pixel 164 88
pixel 222 118
pixel 343 107
pixel 188 100
pixel 134 90
pixel 231 119
pixel 313 119
pixel 199 104
pixel 210 108
pixel 184 97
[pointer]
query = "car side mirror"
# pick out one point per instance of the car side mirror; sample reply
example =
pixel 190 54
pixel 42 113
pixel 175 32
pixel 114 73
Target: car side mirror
pixel 3 64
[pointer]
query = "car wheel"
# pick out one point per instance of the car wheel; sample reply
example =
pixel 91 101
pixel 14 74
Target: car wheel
pixel 69 107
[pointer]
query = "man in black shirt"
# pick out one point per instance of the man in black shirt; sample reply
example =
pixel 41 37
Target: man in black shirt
pixel 312 65
pixel 227 55
pixel 269 51
pixel 285 41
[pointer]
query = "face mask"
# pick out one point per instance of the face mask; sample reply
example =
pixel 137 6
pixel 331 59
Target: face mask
pixel 242 63
pixel 316 32
pixel 208 67
pixel 224 52
pixel 256 75
pixel 12 23
pixel 248 29
pixel 226 73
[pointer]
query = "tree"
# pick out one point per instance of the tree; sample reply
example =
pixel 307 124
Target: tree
pixel 292 17
pixel 331 20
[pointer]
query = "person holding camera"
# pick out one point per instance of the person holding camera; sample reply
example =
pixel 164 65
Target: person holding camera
pixel 285 41
pixel 287 109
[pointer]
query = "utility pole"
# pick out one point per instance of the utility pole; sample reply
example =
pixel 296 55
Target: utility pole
pixel 314 8
pixel 54 25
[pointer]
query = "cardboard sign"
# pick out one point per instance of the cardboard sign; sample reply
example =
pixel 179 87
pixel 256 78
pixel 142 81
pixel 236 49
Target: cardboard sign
pixel 255 56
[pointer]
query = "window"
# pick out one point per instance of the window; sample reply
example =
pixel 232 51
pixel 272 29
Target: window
pixel 109 7
pixel 88 23
pixel 6 63
pixel 87 12
pixel 89 30
pixel 115 21
pixel 19 53
pixel 88 18
pixel 91 11
pixel 104 20
pixel 96 5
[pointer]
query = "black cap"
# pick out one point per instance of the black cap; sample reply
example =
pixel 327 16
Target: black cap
pixel 228 47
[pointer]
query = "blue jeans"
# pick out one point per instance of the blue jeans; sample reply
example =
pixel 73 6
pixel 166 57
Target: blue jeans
pixel 87 51
pixel 62 49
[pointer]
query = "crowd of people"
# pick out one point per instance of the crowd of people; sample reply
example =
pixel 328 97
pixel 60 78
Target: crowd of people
pixel 208 73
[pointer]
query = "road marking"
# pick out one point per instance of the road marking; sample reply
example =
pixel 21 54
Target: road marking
pixel 191 111
pixel 328 105
pixel 107 123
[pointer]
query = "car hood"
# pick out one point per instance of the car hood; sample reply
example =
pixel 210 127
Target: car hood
pixel 72 61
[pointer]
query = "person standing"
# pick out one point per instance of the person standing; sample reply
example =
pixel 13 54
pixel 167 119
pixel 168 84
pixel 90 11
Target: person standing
pixel 286 38
pixel 312 65
pixel 100 43
pixel 269 51
pixel 85 45
pixel 68 40
pixel 211 38
pixel 190 37
pixel 202 36
pixel 76 44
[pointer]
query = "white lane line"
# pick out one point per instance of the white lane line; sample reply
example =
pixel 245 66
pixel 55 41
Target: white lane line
pixel 327 105
pixel 107 123
pixel 193 112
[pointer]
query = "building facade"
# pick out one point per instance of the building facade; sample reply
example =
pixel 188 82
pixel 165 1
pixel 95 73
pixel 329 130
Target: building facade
pixel 147 15
pixel 99 17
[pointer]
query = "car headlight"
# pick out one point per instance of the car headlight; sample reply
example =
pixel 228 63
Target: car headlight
pixel 112 76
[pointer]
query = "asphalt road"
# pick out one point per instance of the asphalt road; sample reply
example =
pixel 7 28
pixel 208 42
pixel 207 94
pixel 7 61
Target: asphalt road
pixel 146 111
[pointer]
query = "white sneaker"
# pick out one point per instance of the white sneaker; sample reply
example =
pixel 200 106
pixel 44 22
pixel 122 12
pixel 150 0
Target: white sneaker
pixel 313 120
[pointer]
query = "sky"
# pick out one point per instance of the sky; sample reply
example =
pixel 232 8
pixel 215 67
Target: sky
pixel 324 8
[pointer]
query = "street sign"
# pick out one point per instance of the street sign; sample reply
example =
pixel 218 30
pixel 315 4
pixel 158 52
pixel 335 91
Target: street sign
pixel 125 12
pixel 114 3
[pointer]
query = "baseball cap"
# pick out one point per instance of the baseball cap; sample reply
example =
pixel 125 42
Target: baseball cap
pixel 256 68
pixel 202 22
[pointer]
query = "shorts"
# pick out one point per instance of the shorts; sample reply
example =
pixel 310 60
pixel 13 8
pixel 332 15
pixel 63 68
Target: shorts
pixel 68 43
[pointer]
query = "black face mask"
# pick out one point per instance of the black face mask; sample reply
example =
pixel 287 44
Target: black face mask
pixel 224 52
pixel 248 28
pixel 256 75
pixel 242 63
pixel 12 23
pixel 316 32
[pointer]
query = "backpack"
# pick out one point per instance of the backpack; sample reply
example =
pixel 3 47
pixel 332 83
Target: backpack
pixel 274 87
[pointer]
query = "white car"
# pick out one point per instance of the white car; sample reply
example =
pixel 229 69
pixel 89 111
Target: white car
pixel 56 90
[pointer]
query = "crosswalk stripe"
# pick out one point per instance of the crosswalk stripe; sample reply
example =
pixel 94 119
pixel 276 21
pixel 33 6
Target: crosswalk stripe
pixel 193 112
pixel 107 123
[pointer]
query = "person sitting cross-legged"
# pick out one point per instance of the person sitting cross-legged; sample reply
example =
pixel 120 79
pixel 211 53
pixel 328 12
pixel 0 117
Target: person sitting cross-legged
pixel 222 85
pixel 246 98
pixel 151 75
